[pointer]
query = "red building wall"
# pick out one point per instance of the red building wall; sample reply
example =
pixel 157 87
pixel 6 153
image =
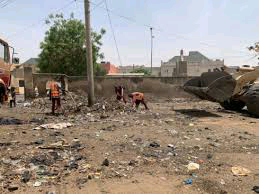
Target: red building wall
pixel 110 68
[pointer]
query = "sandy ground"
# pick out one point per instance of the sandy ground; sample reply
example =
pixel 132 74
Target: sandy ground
pixel 136 147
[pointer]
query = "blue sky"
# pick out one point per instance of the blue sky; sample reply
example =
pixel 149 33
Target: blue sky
pixel 217 28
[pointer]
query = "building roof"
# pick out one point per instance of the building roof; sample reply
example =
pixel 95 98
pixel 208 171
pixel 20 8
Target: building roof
pixel 31 61
pixel 193 56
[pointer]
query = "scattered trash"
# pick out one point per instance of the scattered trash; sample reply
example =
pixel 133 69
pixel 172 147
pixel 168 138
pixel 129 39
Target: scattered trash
pixel 240 171
pixel 10 121
pixel 154 145
pixel 188 181
pixel 26 104
pixel 193 166
pixel 54 126
pixel 256 189
pixel 37 184
pixel 191 124
pixel 25 177
pixel 222 182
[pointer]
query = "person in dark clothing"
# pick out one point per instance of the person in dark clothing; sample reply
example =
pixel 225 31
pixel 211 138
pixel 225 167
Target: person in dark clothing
pixel 2 93
pixel 12 97
pixel 119 90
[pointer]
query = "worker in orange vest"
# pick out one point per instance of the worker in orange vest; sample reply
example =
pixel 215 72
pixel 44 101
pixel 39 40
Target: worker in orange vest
pixel 137 98
pixel 55 95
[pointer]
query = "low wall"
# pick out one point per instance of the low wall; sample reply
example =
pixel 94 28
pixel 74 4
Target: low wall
pixel 104 85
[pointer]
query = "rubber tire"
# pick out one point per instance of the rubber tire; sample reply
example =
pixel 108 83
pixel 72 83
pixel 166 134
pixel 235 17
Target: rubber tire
pixel 231 104
pixel 252 100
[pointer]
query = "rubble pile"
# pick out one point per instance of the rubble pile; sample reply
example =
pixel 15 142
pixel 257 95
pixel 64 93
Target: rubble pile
pixel 73 103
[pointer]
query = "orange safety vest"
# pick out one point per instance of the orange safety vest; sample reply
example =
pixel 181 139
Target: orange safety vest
pixel 138 96
pixel 54 89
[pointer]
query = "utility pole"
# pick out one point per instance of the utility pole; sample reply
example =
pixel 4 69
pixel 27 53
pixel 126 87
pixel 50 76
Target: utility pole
pixel 89 59
pixel 151 30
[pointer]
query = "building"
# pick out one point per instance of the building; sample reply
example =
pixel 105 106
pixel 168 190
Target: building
pixel 110 68
pixel 192 65
pixel 33 63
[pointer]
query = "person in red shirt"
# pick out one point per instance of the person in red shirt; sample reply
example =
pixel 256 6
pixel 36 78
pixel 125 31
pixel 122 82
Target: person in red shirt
pixel 119 90
pixel 137 98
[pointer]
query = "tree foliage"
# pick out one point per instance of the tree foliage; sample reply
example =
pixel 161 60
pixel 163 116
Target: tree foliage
pixel 141 70
pixel 63 50
pixel 255 48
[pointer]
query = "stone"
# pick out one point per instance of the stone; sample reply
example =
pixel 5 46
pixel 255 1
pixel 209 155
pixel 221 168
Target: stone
pixel 154 145
pixel 209 156
pixel 132 163
pixel 222 182
pixel 106 162
pixel 240 171
pixel 107 128
pixel 256 189
pixel 214 144
pixel 26 176
pixel 42 159
pixel 12 188
pixel 193 166
pixel 72 165
pixel 39 142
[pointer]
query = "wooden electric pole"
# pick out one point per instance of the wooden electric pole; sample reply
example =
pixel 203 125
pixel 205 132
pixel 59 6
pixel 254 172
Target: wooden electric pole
pixel 89 59
pixel 151 48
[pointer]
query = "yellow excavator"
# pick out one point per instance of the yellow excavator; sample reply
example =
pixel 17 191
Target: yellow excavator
pixel 233 90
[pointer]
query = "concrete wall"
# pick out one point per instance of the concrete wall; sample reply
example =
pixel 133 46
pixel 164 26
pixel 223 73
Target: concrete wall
pixel 127 69
pixel 40 80
pixel 160 86
pixel 101 83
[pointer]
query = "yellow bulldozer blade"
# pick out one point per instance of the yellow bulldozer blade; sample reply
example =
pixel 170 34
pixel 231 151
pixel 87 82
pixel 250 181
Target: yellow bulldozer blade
pixel 213 86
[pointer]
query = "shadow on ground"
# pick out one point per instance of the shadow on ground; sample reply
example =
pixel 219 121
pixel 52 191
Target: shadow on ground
pixel 196 113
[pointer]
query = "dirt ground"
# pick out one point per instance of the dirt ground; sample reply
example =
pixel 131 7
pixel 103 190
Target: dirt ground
pixel 145 151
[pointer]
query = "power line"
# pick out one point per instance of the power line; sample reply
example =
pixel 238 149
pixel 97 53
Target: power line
pixel 113 32
pixel 2 1
pixel 42 20
pixel 155 28
pixel 7 3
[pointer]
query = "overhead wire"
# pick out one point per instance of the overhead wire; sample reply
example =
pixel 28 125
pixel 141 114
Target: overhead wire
pixel 156 28
pixel 42 20
pixel 113 33
pixel 7 3
pixel 55 11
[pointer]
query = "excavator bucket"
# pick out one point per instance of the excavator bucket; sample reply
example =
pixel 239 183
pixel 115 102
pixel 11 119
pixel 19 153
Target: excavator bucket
pixel 213 86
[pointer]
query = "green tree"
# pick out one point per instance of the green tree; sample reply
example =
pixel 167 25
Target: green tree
pixel 141 70
pixel 63 50
pixel 255 48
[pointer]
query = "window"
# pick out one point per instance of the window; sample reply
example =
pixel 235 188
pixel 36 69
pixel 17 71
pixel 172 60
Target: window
pixel 21 83
pixel 2 51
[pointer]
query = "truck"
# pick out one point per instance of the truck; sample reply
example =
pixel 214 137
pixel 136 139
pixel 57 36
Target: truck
pixel 6 61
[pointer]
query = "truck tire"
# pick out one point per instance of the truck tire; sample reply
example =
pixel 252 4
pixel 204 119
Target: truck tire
pixel 251 99
pixel 231 104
